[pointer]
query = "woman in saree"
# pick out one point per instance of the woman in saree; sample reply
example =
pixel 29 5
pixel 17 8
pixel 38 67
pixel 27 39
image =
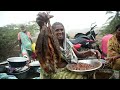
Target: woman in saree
pixel 113 53
pixel 68 53
pixel 25 42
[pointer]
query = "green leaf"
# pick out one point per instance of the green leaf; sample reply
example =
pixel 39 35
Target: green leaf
pixel 109 12
pixel 109 18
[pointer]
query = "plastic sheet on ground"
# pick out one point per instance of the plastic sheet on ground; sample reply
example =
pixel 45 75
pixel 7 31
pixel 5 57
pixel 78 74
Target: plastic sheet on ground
pixel 5 76
pixel 36 78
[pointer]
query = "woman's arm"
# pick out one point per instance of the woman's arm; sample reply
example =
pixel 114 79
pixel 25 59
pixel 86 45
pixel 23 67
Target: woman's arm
pixel 29 35
pixel 88 53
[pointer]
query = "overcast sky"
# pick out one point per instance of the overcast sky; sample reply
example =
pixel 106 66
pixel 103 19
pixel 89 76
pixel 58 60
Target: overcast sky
pixel 70 19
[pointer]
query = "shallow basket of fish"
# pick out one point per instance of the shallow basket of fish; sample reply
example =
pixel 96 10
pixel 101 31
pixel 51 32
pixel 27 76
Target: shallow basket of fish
pixel 84 66
pixel 103 74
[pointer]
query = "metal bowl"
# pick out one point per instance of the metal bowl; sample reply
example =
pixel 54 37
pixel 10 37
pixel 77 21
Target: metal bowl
pixel 35 63
pixel 17 61
pixel 96 63
pixel 34 69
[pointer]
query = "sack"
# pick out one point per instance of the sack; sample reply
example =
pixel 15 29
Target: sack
pixel 33 47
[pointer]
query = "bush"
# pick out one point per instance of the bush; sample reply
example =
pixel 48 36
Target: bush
pixel 8 40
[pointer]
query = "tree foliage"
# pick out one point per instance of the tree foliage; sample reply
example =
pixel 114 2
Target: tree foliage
pixel 112 22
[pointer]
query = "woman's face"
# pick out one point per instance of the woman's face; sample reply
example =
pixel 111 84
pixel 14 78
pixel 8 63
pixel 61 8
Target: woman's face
pixel 118 34
pixel 60 32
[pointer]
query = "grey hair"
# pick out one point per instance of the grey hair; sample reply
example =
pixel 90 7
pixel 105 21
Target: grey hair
pixel 57 23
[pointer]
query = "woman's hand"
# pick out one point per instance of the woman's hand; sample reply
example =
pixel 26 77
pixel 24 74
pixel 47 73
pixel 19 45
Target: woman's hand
pixel 111 59
pixel 98 54
pixel 43 18
pixel 95 52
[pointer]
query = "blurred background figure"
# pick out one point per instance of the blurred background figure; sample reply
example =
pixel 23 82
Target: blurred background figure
pixel 25 42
